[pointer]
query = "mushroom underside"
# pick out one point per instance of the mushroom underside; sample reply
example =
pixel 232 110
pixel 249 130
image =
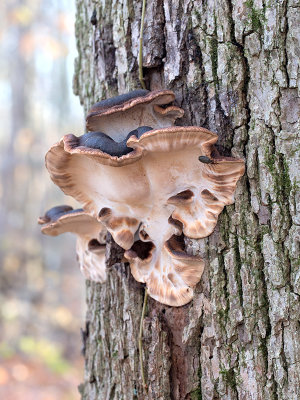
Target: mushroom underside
pixel 170 273
pixel 91 259
pixel 90 234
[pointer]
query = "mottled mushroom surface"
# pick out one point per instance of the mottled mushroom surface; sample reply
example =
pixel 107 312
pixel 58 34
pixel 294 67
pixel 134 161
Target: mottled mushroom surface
pixel 90 246
pixel 160 191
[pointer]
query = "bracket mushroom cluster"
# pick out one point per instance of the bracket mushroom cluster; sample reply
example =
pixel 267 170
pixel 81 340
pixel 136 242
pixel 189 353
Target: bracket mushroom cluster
pixel 139 176
pixel 91 235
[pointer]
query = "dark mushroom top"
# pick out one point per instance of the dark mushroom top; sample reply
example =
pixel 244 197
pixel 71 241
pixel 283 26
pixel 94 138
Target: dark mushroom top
pixel 100 141
pixel 104 105
pixel 55 213
pixel 61 219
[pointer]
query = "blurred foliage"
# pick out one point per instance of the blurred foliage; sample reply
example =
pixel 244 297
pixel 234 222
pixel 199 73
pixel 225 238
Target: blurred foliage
pixel 41 289
pixel 40 350
pixel 45 351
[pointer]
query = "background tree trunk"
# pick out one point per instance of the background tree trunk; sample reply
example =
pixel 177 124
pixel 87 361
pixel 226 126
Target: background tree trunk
pixel 233 66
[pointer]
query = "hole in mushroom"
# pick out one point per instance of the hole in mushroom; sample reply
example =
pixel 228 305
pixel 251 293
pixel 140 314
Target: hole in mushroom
pixel 176 223
pixel 142 249
pixel 94 245
pixel 185 196
pixel 168 111
pixel 176 244
pixel 144 235
pixel 164 106
pixel 104 213
pixel 207 195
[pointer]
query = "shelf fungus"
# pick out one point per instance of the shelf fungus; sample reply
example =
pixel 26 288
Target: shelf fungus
pixel 150 183
pixel 121 114
pixel 90 247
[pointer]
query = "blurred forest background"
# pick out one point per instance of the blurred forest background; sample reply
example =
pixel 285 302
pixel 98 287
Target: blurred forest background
pixel 41 288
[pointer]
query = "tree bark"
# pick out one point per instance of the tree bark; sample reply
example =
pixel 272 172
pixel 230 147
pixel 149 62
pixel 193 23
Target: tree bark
pixel 233 66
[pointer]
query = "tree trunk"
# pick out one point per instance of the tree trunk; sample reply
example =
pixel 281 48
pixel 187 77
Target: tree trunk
pixel 233 67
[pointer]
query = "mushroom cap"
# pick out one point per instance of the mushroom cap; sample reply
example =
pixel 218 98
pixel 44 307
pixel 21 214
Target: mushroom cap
pixel 107 145
pixel 90 233
pixel 62 219
pixel 117 102
pixel 121 114
pixel 160 188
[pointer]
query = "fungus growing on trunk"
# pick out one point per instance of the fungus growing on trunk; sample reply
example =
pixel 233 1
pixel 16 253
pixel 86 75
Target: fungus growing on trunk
pixel 159 190
pixel 121 114
pixel 90 246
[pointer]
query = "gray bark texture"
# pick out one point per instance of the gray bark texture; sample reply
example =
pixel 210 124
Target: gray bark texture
pixel 234 67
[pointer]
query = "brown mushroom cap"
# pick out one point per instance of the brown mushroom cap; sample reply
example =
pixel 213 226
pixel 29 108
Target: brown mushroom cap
pixel 62 219
pixel 121 114
pixel 161 185
pixel 90 233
